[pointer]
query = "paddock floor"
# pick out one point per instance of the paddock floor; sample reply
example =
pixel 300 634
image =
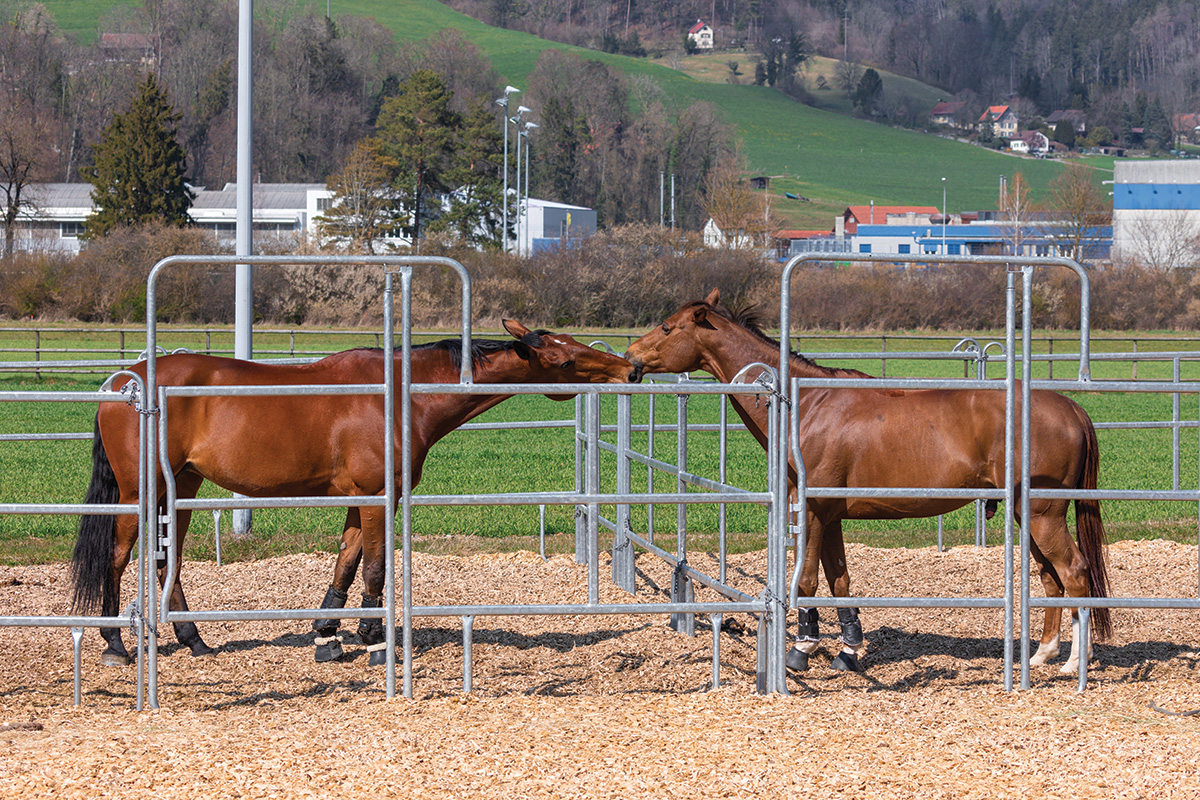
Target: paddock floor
pixel 609 706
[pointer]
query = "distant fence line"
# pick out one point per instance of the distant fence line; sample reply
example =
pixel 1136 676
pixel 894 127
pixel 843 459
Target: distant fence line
pixel 46 344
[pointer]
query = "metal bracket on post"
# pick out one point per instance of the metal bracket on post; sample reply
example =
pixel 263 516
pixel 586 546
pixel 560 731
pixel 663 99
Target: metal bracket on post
pixel 682 591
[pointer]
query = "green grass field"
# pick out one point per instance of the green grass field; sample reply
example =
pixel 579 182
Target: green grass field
pixel 543 460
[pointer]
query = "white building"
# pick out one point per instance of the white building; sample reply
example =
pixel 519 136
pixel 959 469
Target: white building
pixel 281 210
pixel 543 225
pixel 701 35
pixel 1156 211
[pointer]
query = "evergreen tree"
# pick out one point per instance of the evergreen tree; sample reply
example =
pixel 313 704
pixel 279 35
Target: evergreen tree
pixel 869 92
pixel 140 166
pixel 416 128
pixel 1064 133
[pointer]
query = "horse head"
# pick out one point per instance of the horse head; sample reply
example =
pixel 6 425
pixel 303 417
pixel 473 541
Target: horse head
pixel 677 345
pixel 559 358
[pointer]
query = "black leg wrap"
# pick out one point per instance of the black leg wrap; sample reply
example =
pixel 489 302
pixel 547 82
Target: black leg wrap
pixel 187 634
pixel 852 635
pixel 809 624
pixel 370 631
pixel 334 598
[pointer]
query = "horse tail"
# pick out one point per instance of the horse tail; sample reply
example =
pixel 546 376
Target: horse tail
pixel 1090 529
pixel 91 562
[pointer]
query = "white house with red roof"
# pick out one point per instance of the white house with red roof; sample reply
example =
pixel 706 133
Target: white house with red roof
pixel 701 35
pixel 1003 120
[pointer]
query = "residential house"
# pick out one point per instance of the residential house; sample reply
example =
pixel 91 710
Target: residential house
pixel 1187 127
pixel 1030 142
pixel 701 36
pixel 947 113
pixel 1003 120
pixel 1073 116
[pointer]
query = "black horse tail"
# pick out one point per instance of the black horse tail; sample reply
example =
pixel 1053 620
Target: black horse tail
pixel 1090 530
pixel 91 563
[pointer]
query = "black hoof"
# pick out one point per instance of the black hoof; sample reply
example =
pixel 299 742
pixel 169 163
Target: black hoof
pixel 199 648
pixel 846 662
pixel 797 660
pixel 113 658
pixel 331 651
pixel 377 658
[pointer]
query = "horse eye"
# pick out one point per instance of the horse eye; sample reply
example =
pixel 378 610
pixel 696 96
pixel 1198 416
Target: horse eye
pixel 666 328
pixel 568 364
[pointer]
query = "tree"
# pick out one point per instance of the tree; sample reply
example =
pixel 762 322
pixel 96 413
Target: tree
pixel 1016 208
pixel 869 92
pixel 1080 210
pixel 738 211
pixel 364 204
pixel 1064 133
pixel 416 129
pixel 473 207
pixel 140 166
pixel 24 158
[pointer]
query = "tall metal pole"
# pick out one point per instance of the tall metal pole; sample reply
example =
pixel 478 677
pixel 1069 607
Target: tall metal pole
pixel 529 126
pixel 944 251
pixel 244 273
pixel 503 103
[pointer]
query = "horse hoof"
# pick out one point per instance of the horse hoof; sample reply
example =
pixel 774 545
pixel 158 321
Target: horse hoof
pixel 845 662
pixel 201 649
pixel 328 652
pixel 111 658
pixel 797 660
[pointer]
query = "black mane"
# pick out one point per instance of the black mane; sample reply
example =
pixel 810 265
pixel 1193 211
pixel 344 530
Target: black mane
pixel 481 349
pixel 750 319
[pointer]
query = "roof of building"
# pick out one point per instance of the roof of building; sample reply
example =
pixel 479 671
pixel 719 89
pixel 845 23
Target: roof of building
pixel 864 215
pixel 266 195
pixel 947 108
pixel 994 112
pixel 699 26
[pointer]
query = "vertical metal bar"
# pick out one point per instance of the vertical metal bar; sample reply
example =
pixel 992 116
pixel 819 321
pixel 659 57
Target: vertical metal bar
pixel 1010 410
pixel 468 623
pixel 622 549
pixel 1026 461
pixel 681 584
pixel 77 645
pixel 406 467
pixel 650 472
pixel 1085 639
pixel 580 469
pixel 777 460
pixel 592 402
pixel 722 526
pixel 1175 422
pixel 715 620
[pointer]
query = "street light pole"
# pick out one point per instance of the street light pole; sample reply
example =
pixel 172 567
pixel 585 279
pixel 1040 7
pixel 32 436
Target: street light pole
pixel 945 252
pixel 529 126
pixel 516 121
pixel 503 103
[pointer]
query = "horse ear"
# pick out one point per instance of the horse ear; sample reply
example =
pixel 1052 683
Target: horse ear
pixel 714 297
pixel 515 328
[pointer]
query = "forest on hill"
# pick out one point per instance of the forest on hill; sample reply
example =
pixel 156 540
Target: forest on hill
pixel 1111 58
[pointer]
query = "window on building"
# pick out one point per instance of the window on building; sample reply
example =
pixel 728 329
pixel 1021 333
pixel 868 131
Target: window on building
pixel 324 203
pixel 905 249
pixel 864 248
pixel 70 230
pixel 954 249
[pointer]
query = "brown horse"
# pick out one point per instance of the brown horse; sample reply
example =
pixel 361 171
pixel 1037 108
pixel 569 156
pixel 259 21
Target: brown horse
pixel 300 446
pixel 853 437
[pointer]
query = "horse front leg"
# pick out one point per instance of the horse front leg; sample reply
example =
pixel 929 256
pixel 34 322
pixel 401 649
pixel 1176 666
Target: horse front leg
pixel 808 635
pixel 833 559
pixel 328 643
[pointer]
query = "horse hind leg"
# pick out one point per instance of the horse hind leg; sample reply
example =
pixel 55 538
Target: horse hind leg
pixel 125 534
pixel 1064 571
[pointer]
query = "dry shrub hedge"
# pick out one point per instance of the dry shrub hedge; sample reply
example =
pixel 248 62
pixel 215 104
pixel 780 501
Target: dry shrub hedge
pixel 628 277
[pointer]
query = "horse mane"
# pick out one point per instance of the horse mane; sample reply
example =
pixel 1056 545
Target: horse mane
pixel 750 319
pixel 481 349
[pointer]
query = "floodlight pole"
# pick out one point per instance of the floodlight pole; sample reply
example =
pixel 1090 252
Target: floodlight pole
pixel 945 252
pixel 503 103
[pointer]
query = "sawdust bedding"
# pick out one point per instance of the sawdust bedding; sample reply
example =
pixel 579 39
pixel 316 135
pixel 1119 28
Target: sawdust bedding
pixel 608 706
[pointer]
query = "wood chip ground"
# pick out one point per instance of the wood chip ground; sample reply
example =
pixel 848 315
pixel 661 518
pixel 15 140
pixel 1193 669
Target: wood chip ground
pixel 609 707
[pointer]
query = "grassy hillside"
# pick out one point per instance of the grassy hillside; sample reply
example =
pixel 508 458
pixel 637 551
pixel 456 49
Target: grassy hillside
pixel 831 159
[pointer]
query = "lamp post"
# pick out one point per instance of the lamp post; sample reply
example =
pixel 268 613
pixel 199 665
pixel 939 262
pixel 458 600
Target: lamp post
pixel 944 251
pixel 503 103
pixel 516 121
pixel 529 126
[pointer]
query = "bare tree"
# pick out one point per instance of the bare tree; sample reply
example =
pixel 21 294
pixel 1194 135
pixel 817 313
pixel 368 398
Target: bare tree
pixel 739 212
pixel 1081 212
pixel 1017 209
pixel 365 207
pixel 24 159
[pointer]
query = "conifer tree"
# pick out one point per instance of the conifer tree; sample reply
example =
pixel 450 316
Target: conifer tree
pixel 140 166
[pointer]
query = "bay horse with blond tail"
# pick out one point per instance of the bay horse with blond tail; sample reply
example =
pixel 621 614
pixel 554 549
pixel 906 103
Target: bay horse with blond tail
pixel 300 446
pixel 940 438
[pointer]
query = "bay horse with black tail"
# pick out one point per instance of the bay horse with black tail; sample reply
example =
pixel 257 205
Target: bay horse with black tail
pixel 300 446
pixel 852 437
